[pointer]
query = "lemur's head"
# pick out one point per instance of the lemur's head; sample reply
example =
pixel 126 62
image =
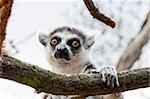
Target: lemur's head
pixel 65 45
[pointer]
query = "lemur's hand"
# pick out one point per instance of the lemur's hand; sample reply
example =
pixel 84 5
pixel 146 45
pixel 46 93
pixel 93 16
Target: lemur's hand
pixel 109 77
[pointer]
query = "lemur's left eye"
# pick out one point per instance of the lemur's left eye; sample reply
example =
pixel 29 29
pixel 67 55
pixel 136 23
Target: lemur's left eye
pixel 75 44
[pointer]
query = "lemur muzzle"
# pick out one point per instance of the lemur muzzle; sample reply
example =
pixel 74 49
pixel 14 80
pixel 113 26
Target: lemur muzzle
pixel 62 52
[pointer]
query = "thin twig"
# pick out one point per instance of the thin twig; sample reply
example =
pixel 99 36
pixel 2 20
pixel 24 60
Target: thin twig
pixel 97 14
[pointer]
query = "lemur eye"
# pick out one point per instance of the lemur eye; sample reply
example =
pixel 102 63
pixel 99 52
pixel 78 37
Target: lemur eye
pixel 75 44
pixel 54 42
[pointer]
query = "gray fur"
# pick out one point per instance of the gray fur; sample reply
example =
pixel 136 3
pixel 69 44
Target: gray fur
pixel 43 38
pixel 88 42
pixel 69 29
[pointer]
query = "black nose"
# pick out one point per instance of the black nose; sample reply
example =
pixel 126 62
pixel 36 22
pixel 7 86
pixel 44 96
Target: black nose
pixel 62 52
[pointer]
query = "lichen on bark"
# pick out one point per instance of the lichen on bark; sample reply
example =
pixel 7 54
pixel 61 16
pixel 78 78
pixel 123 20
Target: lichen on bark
pixel 85 85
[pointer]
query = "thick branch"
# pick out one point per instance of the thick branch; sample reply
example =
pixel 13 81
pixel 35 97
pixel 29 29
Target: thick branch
pixel 5 9
pixel 97 14
pixel 46 81
pixel 133 51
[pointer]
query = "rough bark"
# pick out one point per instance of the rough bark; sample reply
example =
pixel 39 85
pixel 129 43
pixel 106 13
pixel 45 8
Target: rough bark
pixel 49 82
pixel 5 10
pixel 134 49
pixel 97 14
pixel 1 3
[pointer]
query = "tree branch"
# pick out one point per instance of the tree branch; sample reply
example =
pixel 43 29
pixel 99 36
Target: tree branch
pixel 49 82
pixel 133 51
pixel 97 14
pixel 5 10
pixel 1 3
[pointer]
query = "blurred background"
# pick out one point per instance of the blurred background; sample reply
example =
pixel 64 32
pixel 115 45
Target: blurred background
pixel 30 16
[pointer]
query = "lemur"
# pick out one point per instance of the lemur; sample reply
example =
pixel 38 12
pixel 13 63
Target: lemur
pixel 67 51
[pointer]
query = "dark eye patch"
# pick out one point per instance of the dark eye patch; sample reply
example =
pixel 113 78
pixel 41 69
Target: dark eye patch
pixel 69 42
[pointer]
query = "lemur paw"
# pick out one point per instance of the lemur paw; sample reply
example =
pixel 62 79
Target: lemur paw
pixel 109 77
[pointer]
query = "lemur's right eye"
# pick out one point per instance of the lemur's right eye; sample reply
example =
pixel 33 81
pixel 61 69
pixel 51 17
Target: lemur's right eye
pixel 54 42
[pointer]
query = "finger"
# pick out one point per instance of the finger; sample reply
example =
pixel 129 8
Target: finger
pixel 117 81
pixel 108 80
pixel 103 77
pixel 113 71
pixel 112 81
pixel 107 70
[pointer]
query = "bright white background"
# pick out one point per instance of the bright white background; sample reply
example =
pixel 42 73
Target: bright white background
pixel 27 17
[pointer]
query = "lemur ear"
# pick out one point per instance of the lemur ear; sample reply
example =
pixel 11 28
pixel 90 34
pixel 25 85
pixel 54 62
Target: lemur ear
pixel 89 41
pixel 43 38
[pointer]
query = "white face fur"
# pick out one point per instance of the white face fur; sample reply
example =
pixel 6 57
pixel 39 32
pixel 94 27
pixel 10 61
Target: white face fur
pixel 66 51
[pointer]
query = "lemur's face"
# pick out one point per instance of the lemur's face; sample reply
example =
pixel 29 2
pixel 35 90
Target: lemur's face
pixel 65 45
